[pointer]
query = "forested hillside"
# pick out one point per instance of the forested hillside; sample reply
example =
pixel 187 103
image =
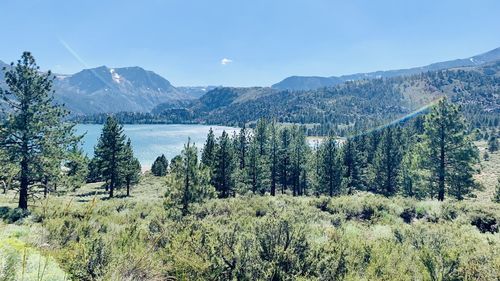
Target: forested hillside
pixel 357 105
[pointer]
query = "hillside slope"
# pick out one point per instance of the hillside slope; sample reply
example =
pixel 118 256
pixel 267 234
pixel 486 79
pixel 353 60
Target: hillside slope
pixel 363 103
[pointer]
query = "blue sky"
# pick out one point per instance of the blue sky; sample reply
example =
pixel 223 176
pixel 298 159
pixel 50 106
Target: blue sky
pixel 262 41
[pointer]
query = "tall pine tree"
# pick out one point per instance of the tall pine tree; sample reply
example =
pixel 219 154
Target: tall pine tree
pixel 352 166
pixel 208 153
pixel 109 153
pixel 329 167
pixel 386 163
pixel 450 153
pixel 285 158
pixel 34 134
pixel 224 167
pixel 187 182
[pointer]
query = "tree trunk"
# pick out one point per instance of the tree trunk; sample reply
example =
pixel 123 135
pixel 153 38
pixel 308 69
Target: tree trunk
pixel 111 189
pixel 23 188
pixel 45 187
pixel 273 179
pixel 128 188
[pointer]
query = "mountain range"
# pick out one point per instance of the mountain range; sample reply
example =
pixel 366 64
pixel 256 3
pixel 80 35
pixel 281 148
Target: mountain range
pixel 105 89
pixel 359 104
pixel 134 89
pixel 315 82
pixel 110 90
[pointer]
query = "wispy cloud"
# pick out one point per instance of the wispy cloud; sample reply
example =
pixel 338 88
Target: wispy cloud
pixel 226 61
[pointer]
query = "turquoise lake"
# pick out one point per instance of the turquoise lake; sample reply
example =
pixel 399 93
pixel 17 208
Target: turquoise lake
pixel 150 141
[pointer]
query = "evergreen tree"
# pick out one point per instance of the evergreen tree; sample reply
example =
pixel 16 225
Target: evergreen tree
pixel 110 154
pixel 208 153
pixel 351 162
pixel 176 164
pixel 160 166
pixel 242 147
pixel 412 174
pixel 285 158
pixel 450 154
pixel 460 175
pixel 300 149
pixel 329 167
pixel 131 168
pixel 261 136
pixel 34 134
pixel 77 167
pixel 188 182
pixel 256 172
pixel 224 167
pixel 94 172
pixel 386 164
pixel 362 147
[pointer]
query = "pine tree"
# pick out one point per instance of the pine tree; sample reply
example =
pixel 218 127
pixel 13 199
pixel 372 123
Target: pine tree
pixel 386 164
pixel 208 153
pixel 330 169
pixel 299 149
pixel 412 174
pixel 285 158
pixel 362 146
pixel 460 175
pixel 187 182
pixel 110 154
pixel 242 147
pixel 34 134
pixel 94 172
pixel 450 154
pixel 224 167
pixel 77 167
pixel 132 167
pixel 176 164
pixel 351 162
pixel 160 166
pixel 256 171
pixel 261 136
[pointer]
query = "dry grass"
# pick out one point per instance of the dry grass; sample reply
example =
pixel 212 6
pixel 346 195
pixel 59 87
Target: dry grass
pixel 490 172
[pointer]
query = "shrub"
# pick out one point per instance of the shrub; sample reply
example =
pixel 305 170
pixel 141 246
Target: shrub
pixel 485 222
pixel 10 215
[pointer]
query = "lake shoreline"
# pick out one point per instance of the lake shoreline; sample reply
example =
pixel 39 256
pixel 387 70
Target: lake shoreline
pixel 152 140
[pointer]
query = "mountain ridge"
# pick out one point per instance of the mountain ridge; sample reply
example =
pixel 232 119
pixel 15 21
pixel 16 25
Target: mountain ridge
pixel 315 82
pixel 105 89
